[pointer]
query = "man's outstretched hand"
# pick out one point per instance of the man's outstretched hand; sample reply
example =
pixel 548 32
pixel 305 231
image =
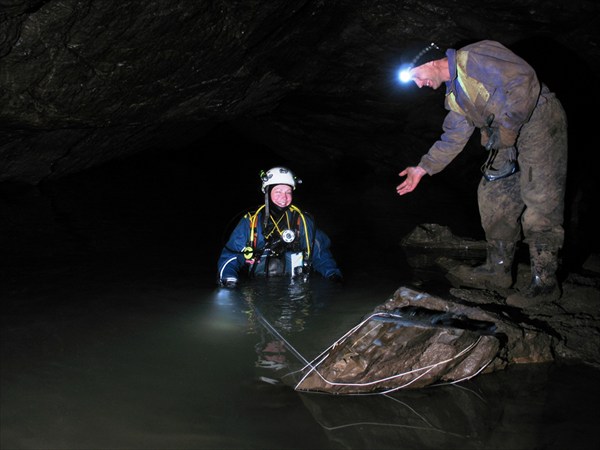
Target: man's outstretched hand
pixel 413 177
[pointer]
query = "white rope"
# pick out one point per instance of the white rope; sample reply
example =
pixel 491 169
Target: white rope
pixel 468 377
pixel 427 369
pixel 313 366
pixel 323 355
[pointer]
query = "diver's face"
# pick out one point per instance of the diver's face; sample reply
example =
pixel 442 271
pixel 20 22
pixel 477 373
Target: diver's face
pixel 281 195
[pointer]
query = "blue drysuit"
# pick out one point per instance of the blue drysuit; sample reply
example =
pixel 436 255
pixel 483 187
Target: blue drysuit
pixel 293 246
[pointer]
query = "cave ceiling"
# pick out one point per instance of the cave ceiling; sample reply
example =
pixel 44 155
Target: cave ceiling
pixel 85 82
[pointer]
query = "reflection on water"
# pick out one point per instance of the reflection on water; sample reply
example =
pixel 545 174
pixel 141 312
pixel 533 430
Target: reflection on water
pixel 156 362
pixel 282 303
pixel 447 417
pixel 534 406
pixel 276 311
pixel 523 408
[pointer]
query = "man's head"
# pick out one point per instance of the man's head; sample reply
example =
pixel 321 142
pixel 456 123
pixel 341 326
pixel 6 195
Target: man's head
pixel 423 67
pixel 431 74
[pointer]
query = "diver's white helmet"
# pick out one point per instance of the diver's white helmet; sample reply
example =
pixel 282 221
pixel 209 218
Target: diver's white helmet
pixel 278 175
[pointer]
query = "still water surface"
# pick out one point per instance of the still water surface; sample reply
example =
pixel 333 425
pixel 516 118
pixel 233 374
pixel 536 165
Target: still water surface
pixel 111 356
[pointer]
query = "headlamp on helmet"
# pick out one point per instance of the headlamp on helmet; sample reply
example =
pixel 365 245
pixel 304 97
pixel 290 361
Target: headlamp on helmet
pixel 404 72
pixel 278 175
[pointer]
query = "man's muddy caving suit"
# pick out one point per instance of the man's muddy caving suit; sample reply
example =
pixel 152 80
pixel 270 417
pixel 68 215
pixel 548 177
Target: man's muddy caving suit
pixel 493 89
pixel 289 244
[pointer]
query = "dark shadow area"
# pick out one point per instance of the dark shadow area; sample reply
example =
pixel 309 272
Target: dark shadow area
pixel 180 205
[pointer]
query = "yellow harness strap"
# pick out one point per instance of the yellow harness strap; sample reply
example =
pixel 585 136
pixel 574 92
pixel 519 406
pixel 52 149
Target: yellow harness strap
pixel 254 220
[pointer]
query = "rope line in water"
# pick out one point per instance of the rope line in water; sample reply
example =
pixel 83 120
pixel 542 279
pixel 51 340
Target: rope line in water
pixel 316 362
pixel 313 364
pixel 278 335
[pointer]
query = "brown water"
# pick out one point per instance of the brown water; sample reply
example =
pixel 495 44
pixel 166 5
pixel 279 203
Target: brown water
pixel 148 354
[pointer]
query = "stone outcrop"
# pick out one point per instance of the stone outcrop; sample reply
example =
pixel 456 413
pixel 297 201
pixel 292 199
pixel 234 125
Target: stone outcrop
pixel 417 339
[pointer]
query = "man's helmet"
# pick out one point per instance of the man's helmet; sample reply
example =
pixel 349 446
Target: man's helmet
pixel 278 175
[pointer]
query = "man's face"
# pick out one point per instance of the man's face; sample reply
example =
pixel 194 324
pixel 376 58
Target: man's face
pixel 426 75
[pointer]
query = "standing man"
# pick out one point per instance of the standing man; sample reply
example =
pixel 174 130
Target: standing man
pixel 524 129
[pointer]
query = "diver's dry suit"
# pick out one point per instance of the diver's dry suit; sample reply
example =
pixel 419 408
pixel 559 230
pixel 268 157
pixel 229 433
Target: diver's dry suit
pixel 287 244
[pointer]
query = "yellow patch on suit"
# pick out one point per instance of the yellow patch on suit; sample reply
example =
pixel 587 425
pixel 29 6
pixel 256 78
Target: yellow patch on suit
pixel 475 91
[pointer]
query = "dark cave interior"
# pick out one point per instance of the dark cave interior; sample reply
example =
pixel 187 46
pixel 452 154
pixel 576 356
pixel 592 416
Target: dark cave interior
pixel 107 150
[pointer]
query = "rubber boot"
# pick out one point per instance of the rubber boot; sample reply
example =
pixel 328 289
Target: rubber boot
pixel 495 273
pixel 544 287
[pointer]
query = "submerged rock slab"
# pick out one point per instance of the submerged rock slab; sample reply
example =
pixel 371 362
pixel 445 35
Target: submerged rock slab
pixel 416 339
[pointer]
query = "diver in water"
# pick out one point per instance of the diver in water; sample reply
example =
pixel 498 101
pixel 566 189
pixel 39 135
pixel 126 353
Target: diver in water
pixel 278 239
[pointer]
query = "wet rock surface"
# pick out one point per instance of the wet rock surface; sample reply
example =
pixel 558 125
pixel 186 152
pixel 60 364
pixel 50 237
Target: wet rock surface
pixel 412 341
pixel 417 338
pixel 570 327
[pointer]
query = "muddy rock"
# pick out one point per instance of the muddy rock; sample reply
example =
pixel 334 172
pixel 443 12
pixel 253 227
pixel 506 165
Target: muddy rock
pixel 572 323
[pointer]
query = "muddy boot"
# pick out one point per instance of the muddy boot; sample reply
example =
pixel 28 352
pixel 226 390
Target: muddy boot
pixel 495 273
pixel 543 287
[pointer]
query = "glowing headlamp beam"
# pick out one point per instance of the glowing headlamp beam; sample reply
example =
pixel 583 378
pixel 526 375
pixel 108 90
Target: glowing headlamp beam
pixel 404 75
